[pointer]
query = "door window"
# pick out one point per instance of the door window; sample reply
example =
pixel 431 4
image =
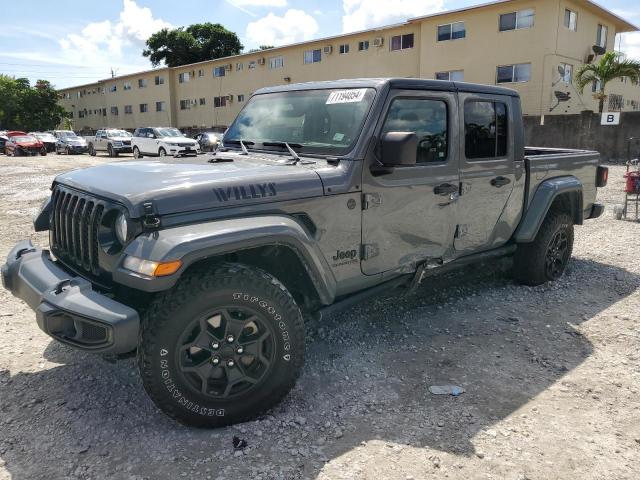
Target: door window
pixel 485 129
pixel 428 119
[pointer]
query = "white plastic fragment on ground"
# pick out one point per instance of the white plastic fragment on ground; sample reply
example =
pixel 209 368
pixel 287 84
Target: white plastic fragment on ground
pixel 446 390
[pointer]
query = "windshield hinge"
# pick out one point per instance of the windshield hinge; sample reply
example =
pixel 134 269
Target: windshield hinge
pixel 371 200
pixel 150 219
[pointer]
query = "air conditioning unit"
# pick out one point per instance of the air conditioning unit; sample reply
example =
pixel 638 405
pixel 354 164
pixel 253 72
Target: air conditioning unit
pixel 378 41
pixel 229 98
pixel 228 67
pixel 327 49
pixel 261 61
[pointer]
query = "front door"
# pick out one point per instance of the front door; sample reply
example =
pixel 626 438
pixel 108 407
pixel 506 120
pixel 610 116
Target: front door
pixel 487 172
pixel 409 214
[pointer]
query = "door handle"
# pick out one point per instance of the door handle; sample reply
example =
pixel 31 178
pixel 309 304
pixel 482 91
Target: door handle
pixel 500 181
pixel 445 189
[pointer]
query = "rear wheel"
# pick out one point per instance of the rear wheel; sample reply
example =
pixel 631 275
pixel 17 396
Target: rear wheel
pixel 546 258
pixel 225 345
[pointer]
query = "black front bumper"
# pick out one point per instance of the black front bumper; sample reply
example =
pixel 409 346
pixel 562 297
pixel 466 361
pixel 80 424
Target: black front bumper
pixel 67 308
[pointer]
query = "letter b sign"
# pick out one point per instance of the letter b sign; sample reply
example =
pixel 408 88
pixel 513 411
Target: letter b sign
pixel 610 118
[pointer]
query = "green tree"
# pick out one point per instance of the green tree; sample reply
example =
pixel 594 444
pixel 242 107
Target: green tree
pixel 612 65
pixel 28 108
pixel 260 48
pixel 196 43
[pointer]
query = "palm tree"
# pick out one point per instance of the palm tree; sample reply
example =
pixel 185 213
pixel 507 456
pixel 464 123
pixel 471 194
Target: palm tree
pixel 612 65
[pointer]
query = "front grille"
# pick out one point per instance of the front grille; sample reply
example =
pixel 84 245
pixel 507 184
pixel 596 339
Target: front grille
pixel 75 224
pixel 126 142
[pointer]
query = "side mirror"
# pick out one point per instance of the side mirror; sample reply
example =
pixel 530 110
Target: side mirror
pixel 399 149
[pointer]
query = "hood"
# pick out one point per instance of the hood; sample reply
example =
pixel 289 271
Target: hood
pixel 184 140
pixel 120 139
pixel 30 143
pixel 74 141
pixel 183 186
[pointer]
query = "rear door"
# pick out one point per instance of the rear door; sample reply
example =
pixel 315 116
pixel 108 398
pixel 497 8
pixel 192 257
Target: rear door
pixel 409 214
pixel 487 171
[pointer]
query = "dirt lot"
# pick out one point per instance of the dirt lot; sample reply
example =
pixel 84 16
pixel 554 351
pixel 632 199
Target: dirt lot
pixel 552 379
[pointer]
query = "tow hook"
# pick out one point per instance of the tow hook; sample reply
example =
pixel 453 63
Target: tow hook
pixel 62 286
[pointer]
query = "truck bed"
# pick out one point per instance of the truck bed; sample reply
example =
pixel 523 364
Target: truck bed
pixel 545 163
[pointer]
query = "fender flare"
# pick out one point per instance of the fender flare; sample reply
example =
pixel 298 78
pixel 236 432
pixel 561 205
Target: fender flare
pixel 542 200
pixel 192 243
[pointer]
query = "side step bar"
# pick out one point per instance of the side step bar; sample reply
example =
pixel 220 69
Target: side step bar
pixel 411 281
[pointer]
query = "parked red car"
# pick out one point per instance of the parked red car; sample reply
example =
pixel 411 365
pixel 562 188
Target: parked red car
pixel 19 143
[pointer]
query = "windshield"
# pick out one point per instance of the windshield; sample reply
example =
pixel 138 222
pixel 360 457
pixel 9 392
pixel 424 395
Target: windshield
pixel 67 135
pixel 118 133
pixel 168 132
pixel 23 138
pixel 318 121
pixel 44 136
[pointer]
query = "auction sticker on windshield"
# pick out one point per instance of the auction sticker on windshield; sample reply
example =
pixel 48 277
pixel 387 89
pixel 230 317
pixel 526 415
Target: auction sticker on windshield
pixel 346 96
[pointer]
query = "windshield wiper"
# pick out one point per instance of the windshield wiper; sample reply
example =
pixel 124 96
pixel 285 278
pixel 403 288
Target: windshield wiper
pixel 288 146
pixel 243 145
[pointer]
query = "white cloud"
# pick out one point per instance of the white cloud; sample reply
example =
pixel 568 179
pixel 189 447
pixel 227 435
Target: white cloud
pixel 260 3
pixel 630 45
pixel 103 43
pixel 293 26
pixel 363 14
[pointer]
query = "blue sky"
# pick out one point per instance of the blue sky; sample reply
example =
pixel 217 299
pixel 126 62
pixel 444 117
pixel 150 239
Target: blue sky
pixel 73 41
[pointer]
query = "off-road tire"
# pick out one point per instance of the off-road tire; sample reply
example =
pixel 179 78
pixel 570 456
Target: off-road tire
pixel 136 153
pixel 199 292
pixel 531 259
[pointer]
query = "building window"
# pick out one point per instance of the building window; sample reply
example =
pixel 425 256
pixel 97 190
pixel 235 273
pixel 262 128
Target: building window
pixel 402 42
pixel 159 80
pixel 363 45
pixel 313 56
pixel 218 72
pixel 241 98
pixel 142 83
pixel 520 72
pixel 276 62
pixel 128 109
pixel 201 73
pixel 595 86
pixel 566 72
pixel 202 101
pixel 185 104
pixel 239 66
pixel 428 119
pixel 114 110
pixel 144 108
pixel 126 86
pixel 571 20
pixel 601 37
pixel 517 20
pixel 452 76
pixel 252 64
pixel 161 107
pixel 344 48
pixel 183 77
pixel 112 88
pixel 485 129
pixel 451 31
pixel 219 101
pixel 80 114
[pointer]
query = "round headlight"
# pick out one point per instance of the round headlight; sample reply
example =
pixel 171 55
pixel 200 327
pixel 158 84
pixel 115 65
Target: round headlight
pixel 122 227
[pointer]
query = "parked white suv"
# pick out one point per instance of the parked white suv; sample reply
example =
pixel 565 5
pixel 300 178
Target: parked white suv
pixel 161 142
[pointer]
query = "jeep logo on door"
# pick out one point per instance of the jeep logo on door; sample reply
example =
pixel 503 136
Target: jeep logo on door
pixel 343 257
pixel 246 192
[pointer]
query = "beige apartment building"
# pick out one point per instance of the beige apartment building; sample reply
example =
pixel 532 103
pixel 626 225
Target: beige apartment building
pixel 532 46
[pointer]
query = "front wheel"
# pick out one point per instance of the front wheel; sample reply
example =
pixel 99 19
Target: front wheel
pixel 162 152
pixel 546 258
pixel 92 150
pixel 136 153
pixel 43 151
pixel 225 345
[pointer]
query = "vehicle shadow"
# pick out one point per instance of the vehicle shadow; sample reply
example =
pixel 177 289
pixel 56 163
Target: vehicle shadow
pixel 367 376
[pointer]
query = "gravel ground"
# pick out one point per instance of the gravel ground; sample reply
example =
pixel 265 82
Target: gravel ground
pixel 552 379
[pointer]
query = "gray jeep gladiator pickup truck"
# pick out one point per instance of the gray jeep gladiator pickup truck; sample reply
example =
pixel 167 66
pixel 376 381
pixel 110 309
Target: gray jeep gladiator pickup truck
pixel 323 194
